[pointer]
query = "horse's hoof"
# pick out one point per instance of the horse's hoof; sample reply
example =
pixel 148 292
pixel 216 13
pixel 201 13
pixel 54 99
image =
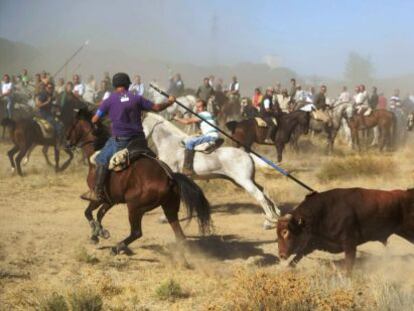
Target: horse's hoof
pixel 25 161
pixel 103 233
pixel 94 240
pixel 115 251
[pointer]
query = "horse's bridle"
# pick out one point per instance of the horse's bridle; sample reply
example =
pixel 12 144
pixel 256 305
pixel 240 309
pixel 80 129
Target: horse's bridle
pixel 76 144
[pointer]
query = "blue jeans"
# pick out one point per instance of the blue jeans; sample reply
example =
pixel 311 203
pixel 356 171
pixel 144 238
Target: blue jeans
pixel 9 106
pixel 191 143
pixel 111 147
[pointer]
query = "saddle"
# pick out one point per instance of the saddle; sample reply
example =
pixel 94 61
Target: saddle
pixel 321 115
pixel 262 123
pixel 47 129
pixel 136 149
pixel 207 147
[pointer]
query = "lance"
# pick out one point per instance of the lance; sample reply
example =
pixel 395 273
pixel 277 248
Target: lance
pixel 264 159
pixel 70 58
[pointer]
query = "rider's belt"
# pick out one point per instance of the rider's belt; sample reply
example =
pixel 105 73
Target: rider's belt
pixel 124 138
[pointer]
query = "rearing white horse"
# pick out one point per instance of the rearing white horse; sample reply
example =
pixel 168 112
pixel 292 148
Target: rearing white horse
pixel 226 162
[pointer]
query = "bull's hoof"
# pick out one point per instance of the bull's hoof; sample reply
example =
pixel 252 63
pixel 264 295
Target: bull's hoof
pixel 103 233
pixel 94 240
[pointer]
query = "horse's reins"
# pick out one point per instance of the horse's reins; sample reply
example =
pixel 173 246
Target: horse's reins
pixel 153 128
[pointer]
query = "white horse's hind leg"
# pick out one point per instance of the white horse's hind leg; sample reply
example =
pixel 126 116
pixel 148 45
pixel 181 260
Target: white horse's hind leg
pixel 270 209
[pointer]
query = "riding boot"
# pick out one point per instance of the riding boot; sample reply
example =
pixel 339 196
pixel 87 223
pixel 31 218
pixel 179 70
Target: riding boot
pixel 188 162
pixel 98 194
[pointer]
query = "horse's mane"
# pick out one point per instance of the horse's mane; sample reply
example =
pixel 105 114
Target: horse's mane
pixel 102 132
pixel 170 126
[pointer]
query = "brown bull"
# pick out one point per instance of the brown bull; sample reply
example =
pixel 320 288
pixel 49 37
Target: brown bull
pixel 339 220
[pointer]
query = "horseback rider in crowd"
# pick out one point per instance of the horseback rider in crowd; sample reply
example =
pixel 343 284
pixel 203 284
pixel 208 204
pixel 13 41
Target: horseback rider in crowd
pixel 283 99
pixel 345 96
pixel 46 106
pixel 78 87
pixel 234 88
pixel 293 89
pixel 268 111
pixel 205 91
pixel 137 86
pixel 176 87
pixel 208 134
pixel 395 101
pixel 7 89
pixel 103 92
pixel 373 99
pixel 257 98
pixel 361 103
pixel 124 109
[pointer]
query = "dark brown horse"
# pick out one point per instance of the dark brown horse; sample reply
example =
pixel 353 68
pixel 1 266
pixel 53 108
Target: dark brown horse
pixel 383 119
pixel 247 132
pixel 143 186
pixel 26 134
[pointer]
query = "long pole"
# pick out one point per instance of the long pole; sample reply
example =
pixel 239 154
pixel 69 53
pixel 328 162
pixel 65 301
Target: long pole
pixel 267 161
pixel 70 58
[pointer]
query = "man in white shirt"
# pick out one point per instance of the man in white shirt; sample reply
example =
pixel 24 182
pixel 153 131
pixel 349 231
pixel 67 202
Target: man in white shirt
pixel 7 94
pixel 361 100
pixel 78 87
pixel 345 96
pixel 208 134
pixel 137 86
pixel 234 87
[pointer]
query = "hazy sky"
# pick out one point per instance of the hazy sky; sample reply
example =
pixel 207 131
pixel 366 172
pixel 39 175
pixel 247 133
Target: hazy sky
pixel 311 37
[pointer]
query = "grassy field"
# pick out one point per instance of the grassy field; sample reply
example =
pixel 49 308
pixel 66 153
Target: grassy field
pixel 47 262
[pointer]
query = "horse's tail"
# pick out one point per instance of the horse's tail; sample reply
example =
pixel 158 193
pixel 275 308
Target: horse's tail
pixel 231 126
pixel 194 199
pixel 8 123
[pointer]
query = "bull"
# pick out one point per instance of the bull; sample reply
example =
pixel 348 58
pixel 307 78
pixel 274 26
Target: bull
pixel 339 220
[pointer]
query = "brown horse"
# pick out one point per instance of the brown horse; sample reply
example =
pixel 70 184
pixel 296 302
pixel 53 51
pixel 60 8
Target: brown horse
pixel 146 184
pixel 247 132
pixel 26 134
pixel 383 119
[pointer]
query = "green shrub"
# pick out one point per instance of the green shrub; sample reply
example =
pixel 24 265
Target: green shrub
pixel 85 300
pixel 170 290
pixel 55 302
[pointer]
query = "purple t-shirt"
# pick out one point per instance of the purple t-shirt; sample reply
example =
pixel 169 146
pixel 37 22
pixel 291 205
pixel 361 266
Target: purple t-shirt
pixel 124 111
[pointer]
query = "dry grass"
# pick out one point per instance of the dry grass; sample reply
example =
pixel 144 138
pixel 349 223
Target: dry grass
pixel 356 166
pixel 43 267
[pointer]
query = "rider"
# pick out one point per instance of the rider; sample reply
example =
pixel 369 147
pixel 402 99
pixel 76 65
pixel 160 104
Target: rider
pixel 124 110
pixel 205 91
pixel 234 88
pixel 267 109
pixel 208 134
pixel 7 93
pixel 45 103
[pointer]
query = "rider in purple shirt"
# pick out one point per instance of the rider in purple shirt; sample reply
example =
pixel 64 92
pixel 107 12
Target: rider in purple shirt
pixel 124 110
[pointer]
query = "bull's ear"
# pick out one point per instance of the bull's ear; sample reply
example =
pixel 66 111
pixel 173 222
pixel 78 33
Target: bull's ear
pixel 296 225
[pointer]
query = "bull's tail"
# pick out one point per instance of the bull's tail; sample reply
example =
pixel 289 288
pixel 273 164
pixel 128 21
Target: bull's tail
pixel 194 199
pixel 231 126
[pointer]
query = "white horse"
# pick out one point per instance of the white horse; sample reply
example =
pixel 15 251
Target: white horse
pixel 226 162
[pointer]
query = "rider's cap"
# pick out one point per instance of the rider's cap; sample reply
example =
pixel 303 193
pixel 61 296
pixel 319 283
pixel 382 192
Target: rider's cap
pixel 121 79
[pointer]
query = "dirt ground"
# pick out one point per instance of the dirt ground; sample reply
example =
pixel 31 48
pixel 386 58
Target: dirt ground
pixel 45 248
